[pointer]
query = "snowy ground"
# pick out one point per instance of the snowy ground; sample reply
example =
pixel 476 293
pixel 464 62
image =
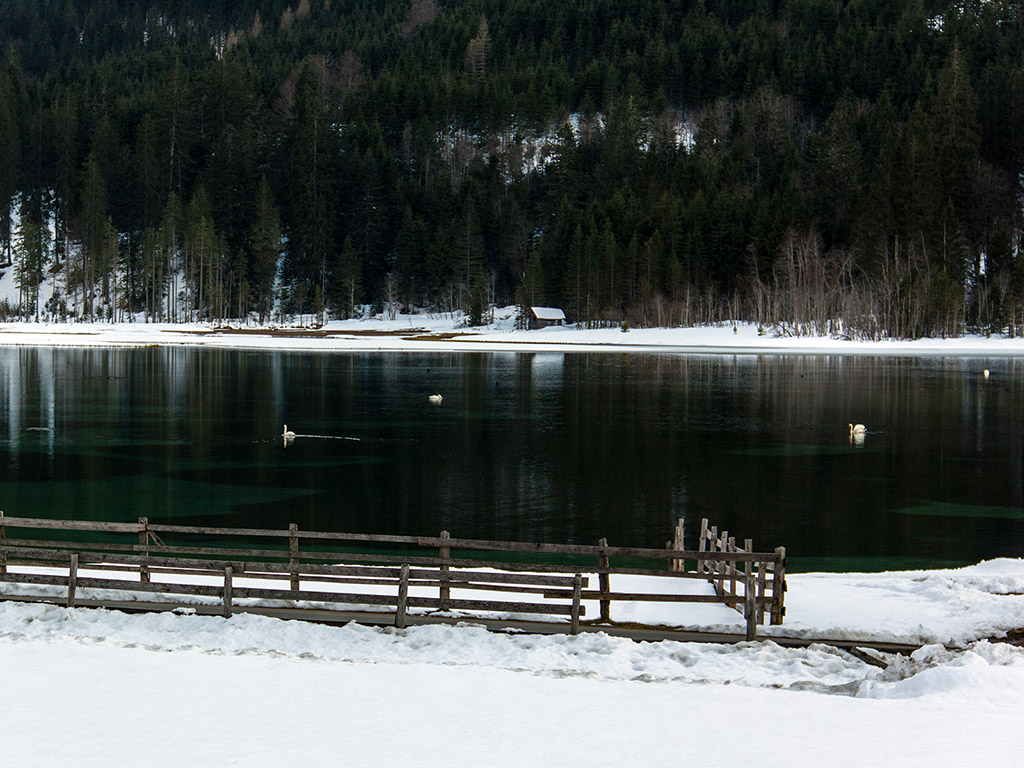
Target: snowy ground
pixel 99 688
pixel 442 332
pixel 95 688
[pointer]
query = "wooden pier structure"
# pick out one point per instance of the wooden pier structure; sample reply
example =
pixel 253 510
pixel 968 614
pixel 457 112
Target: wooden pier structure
pixel 377 579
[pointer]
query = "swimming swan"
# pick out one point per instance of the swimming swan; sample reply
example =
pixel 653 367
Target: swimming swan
pixel 435 398
pixel 286 434
pixel 857 429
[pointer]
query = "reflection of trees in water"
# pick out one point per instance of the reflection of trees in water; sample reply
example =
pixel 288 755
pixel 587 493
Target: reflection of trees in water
pixel 547 446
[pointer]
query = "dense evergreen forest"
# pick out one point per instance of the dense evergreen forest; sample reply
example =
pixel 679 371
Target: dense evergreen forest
pixel 815 166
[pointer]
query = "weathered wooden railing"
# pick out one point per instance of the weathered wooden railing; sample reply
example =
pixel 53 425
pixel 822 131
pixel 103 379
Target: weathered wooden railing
pixel 143 557
pixel 728 573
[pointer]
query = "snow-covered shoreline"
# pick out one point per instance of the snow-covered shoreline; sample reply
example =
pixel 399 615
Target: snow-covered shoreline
pixel 436 333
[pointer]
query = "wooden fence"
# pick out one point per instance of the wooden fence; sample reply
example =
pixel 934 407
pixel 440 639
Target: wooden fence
pixel 738 581
pixel 406 572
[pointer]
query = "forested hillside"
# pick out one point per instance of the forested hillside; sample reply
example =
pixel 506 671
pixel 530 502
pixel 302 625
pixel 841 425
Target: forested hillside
pixel 790 162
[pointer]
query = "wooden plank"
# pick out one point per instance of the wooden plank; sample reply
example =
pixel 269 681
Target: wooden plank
pixel 312 596
pixel 581 549
pixel 508 588
pixel 170 564
pixel 514 578
pixel 480 544
pixel 71 525
pixel 280 594
pixel 434 582
pixel 509 607
pixel 641 597
pixel 454 576
pixel 283 534
pixel 122 585
pixel 302 596
pixel 397 558
pixel 16 545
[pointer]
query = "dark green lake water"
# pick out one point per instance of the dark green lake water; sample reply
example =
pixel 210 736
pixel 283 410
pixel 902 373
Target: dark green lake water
pixel 539 447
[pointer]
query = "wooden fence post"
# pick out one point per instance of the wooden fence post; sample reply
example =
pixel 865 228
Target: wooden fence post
pixel 143 541
pixel 762 589
pixel 445 599
pixel 713 564
pixel 577 588
pixel 293 555
pixel 748 567
pixel 702 565
pixel 604 581
pixel 779 587
pixel 731 549
pixel 403 597
pixel 72 579
pixel 678 566
pixel 720 565
pixel 228 573
pixel 750 606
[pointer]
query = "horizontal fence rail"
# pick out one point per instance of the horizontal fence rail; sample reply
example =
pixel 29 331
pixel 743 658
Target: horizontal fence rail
pixel 321 568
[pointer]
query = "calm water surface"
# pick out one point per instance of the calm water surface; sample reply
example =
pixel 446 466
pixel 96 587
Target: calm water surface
pixel 541 447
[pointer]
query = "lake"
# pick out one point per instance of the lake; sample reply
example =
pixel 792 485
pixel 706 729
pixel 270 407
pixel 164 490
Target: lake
pixel 532 446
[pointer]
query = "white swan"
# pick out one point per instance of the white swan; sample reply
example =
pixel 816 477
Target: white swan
pixel 857 432
pixel 287 434
pixel 435 398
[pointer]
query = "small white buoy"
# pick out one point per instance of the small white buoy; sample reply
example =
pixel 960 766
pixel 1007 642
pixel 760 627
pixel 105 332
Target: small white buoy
pixel 435 398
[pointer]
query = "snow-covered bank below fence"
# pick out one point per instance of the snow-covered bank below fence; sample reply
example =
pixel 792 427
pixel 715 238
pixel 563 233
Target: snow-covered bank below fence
pixel 953 607
pixel 441 332
pixel 100 688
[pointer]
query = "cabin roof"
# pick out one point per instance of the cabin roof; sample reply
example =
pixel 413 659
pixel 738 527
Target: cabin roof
pixel 547 313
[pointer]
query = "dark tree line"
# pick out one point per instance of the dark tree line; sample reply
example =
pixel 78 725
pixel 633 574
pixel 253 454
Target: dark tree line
pixel 846 167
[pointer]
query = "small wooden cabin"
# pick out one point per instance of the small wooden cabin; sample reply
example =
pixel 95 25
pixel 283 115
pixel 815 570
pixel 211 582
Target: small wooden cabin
pixel 542 317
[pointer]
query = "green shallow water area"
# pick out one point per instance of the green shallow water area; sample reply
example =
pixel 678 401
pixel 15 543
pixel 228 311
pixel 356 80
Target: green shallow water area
pixel 531 446
pixel 951 509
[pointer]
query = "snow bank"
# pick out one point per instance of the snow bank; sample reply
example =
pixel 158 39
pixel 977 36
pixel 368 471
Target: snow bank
pixel 97 688
pixel 447 332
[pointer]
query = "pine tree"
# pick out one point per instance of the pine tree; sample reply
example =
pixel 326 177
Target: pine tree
pixel 31 257
pixel 265 249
